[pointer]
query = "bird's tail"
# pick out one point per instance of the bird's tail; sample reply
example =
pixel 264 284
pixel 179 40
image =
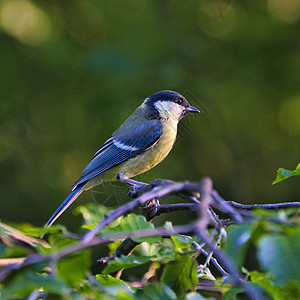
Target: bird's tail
pixel 67 202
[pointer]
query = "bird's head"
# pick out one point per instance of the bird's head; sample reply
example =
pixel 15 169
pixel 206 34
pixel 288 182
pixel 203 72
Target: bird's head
pixel 169 104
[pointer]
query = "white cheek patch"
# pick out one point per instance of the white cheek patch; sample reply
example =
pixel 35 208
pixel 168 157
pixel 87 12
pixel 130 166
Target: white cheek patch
pixel 169 108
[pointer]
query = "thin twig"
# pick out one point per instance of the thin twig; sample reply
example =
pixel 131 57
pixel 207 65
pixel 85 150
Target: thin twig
pixel 206 200
pixel 209 256
pixel 213 260
pixel 228 265
pixel 264 206
pixel 224 207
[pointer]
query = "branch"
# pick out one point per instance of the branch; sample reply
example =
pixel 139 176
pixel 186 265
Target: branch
pixel 223 206
pixel 201 232
pixel 165 209
pixel 36 258
pixel 156 192
pixel 264 206
pixel 210 199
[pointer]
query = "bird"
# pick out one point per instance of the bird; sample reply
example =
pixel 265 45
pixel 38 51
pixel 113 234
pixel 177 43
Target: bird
pixel 139 144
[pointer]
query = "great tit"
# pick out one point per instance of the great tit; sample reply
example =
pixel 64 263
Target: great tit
pixel 139 144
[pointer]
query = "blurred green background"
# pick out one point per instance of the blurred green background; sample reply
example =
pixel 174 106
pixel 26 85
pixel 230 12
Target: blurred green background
pixel 73 71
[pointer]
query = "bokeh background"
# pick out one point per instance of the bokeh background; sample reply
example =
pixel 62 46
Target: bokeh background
pixel 73 71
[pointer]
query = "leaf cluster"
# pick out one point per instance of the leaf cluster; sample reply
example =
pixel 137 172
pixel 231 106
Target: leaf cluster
pixel 170 266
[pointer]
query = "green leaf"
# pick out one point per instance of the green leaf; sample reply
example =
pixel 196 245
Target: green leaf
pixel 131 224
pixel 147 249
pixel 113 246
pixel 260 228
pixel 238 237
pixel 181 242
pixel 181 274
pixel 279 254
pixel 166 250
pixel 73 269
pixel 113 286
pixel 30 230
pixel 26 281
pixel 13 252
pixel 264 280
pixel 61 242
pixel 196 296
pixel 206 273
pixel 92 213
pixel 125 262
pixel 155 291
pixel 107 281
pixel 54 230
pixel 232 293
pixel 283 174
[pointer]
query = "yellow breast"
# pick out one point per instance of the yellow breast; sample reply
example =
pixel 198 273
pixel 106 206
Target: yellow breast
pixel 148 159
pixel 152 156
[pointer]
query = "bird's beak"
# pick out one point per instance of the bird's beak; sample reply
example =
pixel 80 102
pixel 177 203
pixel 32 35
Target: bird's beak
pixel 192 109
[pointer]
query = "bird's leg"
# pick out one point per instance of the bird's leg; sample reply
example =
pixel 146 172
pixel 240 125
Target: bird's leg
pixel 131 182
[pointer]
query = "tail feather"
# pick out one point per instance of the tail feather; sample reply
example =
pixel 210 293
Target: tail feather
pixel 66 203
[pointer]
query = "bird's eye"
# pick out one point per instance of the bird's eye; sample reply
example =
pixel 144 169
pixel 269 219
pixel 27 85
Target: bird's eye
pixel 179 101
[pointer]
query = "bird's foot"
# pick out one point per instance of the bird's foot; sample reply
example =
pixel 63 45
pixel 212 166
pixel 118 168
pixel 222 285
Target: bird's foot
pixel 133 191
pixel 150 209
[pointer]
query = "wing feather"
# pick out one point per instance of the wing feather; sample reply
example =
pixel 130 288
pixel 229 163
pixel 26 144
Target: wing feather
pixel 121 147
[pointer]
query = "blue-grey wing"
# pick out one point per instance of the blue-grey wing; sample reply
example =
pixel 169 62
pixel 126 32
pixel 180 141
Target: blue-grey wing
pixel 121 147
